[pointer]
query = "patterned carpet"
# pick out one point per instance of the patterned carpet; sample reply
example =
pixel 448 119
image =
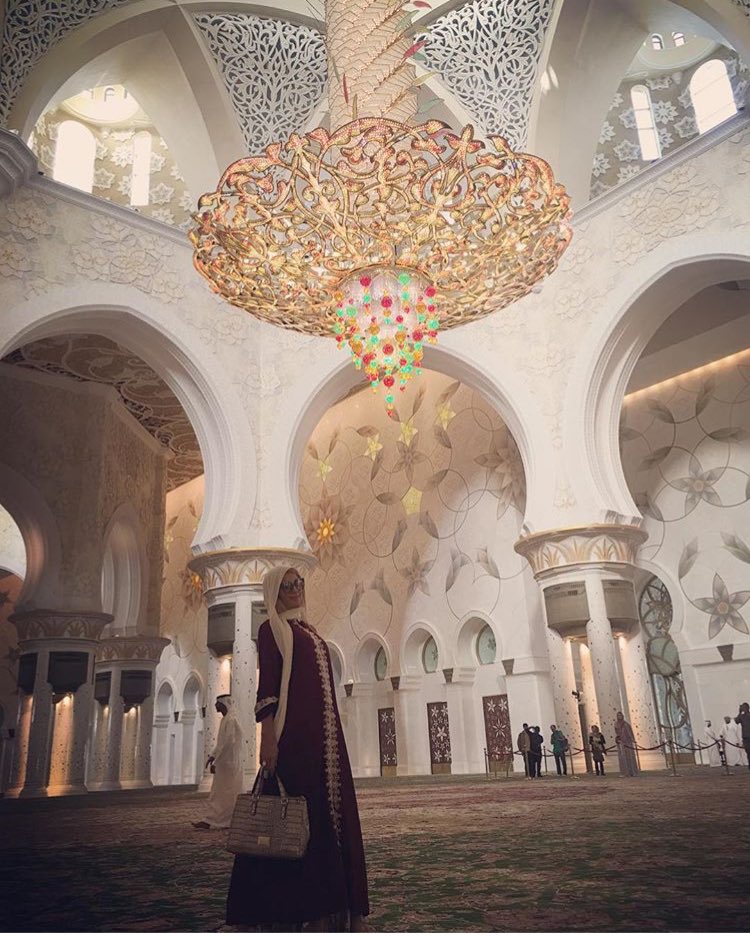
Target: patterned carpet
pixel 655 853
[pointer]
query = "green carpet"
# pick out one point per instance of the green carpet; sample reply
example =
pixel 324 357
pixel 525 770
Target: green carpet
pixel 655 853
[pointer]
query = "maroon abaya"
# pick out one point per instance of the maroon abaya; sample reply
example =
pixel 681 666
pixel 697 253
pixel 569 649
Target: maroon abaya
pixel 331 877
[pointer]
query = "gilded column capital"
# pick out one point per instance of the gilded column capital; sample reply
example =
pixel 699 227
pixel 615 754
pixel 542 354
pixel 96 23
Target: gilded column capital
pixel 230 568
pixel 552 550
pixel 59 625
pixel 139 649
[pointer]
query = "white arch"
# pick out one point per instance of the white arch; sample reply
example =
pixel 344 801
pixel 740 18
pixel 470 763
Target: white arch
pixel 337 660
pixel 455 357
pixel 364 660
pixel 165 694
pixel 658 285
pixel 41 537
pixel 192 691
pixel 469 628
pixel 125 572
pixel 155 333
pixel 413 641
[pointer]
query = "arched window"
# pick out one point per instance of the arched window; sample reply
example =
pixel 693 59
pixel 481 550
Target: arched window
pixel 678 38
pixel 712 95
pixel 141 174
pixel 380 665
pixel 75 153
pixel 430 655
pixel 486 646
pixel 657 42
pixel 644 122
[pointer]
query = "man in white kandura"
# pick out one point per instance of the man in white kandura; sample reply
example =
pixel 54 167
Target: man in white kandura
pixel 225 764
pixel 733 748
pixel 712 743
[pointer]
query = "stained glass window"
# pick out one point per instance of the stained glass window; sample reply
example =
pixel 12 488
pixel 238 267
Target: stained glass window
pixel 655 609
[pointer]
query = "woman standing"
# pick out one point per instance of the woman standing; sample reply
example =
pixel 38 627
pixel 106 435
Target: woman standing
pixel 598 748
pixel 625 747
pixel 302 740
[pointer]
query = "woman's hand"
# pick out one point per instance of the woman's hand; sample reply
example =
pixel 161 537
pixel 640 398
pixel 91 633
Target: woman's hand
pixel 269 748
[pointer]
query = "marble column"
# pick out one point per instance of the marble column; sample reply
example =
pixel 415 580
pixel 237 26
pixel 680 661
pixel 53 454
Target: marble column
pixel 117 655
pixel 467 751
pixel 589 554
pixel 563 679
pixel 412 733
pixel 235 576
pixel 113 732
pixel 219 682
pixel 640 697
pixel 587 686
pixel 601 645
pixel 144 743
pixel 359 720
pixel 20 749
pixel 44 633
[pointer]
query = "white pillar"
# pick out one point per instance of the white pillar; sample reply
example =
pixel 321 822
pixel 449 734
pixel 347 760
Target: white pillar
pixel 412 733
pixel 640 698
pixel 40 732
pixel 144 744
pixel 563 679
pixel 467 751
pixel 20 748
pixel 116 711
pixel 245 677
pixel 359 720
pixel 603 654
pixel 587 686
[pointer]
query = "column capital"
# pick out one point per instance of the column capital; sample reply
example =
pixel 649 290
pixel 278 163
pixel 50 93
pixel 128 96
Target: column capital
pixel 231 569
pixel 596 544
pixel 59 625
pixel 17 163
pixel 139 649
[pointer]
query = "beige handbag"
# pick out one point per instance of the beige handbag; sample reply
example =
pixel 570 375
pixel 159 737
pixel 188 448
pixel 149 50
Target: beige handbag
pixel 269 826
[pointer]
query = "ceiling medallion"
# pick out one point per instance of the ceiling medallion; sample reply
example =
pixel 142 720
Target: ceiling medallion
pixel 381 234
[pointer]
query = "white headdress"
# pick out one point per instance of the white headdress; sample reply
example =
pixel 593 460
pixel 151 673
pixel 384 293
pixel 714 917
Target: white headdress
pixel 282 634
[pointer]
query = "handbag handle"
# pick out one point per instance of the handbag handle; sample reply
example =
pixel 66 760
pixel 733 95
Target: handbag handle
pixel 260 779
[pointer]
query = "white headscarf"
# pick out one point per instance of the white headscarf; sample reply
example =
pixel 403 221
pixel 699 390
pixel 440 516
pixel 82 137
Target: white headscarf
pixel 282 634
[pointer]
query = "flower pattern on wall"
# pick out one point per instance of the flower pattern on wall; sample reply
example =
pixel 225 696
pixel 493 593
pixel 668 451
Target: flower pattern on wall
pixel 619 155
pixel 686 454
pixel 421 507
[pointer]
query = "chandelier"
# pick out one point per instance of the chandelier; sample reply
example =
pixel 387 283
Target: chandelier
pixel 379 233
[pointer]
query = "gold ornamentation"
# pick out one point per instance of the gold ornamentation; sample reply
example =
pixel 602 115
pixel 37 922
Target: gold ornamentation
pixel 326 530
pixel 553 549
pixel 230 567
pixel 144 649
pixel 330 735
pixel 44 625
pixel 482 224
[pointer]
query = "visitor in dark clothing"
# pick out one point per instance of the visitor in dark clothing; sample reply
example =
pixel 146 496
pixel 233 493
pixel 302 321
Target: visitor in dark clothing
pixel 535 754
pixel 743 720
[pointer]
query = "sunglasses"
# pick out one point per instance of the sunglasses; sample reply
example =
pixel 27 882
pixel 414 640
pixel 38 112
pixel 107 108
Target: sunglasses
pixel 295 585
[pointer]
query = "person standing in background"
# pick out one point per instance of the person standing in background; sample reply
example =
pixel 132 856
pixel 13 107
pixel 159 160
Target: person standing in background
pixel 625 747
pixel 732 735
pixel 524 746
pixel 598 748
pixel 559 744
pixel 224 763
pixel 535 752
pixel 743 720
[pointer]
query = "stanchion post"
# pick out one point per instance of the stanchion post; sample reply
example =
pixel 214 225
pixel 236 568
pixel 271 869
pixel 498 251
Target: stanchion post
pixel 674 762
pixel 486 764
pixel 572 768
pixel 544 754
pixel 700 754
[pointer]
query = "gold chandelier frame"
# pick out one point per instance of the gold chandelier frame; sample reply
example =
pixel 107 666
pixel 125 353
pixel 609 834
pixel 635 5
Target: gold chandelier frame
pixel 481 223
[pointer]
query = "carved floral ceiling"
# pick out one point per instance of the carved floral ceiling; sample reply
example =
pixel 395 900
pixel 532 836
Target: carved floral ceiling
pixel 143 393
pixel 485 51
